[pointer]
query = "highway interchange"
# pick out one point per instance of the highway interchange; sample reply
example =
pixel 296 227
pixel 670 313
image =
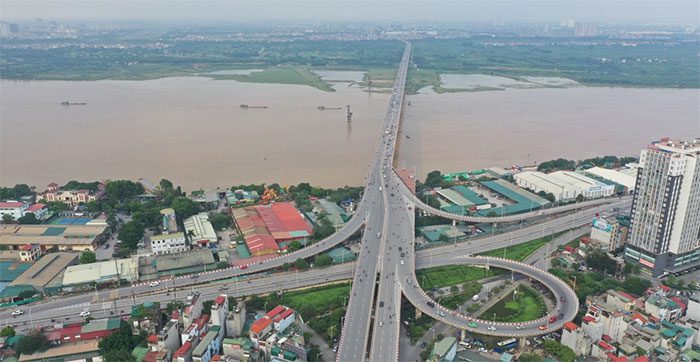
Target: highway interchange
pixel 385 268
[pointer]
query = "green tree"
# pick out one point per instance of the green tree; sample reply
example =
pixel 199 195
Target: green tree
pixel 28 219
pixel 7 219
pixel 75 185
pixel 580 198
pixel 184 207
pixel 87 257
pixel 530 357
pixel 600 261
pixel 8 331
pixel 131 233
pixel 301 264
pixel 433 179
pixel 33 342
pixel 220 220
pixel 636 285
pixel 55 206
pixel 123 189
pixel 165 184
pixel 294 245
pixel 323 260
pixel 562 352
pixel 119 355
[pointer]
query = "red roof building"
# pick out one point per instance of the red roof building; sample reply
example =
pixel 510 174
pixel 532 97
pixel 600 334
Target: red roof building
pixel 613 358
pixel 259 244
pixel 570 326
pixel 275 311
pixel 183 350
pixel 35 208
pixel 588 319
pixel 11 204
pixel 259 326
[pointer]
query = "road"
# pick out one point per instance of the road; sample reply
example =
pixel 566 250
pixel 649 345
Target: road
pixel 71 306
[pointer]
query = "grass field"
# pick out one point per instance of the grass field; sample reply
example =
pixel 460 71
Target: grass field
pixel 321 307
pixel 526 306
pixel 444 276
pixel 282 75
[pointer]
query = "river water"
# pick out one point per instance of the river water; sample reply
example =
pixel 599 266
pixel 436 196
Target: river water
pixel 193 132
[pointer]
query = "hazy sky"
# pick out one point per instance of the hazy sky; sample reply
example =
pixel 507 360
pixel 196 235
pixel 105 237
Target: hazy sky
pixel 625 11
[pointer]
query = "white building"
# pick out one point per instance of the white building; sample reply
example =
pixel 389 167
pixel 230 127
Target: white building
pixel 102 271
pixel 693 310
pixel 202 230
pixel 605 232
pixel 628 180
pixel 168 243
pixel 564 185
pixel 15 209
pixel 666 208
pixel 219 312
pixel 575 338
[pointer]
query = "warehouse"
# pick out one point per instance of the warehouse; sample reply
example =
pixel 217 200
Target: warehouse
pixel 101 272
pixel 626 180
pixel 203 232
pixel 46 274
pixel 64 237
pixel 524 200
pixel 265 225
pixel 564 185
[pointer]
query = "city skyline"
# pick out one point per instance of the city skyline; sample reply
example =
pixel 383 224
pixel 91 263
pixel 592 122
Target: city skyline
pixel 649 12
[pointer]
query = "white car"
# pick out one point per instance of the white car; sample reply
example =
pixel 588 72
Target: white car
pixel 441 313
pixel 401 262
pixel 492 328
pixel 85 313
pixel 17 312
pixel 153 284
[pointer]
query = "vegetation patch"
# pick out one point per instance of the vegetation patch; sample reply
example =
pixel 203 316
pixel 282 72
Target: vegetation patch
pixel 281 75
pixel 521 305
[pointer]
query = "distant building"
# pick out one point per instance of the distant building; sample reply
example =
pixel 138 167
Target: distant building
pixel 16 209
pixel 665 234
pixel 41 211
pixel 607 232
pixel 63 237
pixel 335 214
pixel 30 252
pixel 627 181
pixel 102 272
pixel 46 274
pixel 585 30
pixel 277 320
pixel 235 321
pixel 168 243
pixel 219 312
pixel 72 198
pixel 268 228
pixel 80 351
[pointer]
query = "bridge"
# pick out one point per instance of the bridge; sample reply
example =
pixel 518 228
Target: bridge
pixel 387 259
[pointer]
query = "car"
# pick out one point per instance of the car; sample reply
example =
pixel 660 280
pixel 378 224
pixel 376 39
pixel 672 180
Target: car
pixel 381 324
pixel 153 283
pixel 542 327
pixel 441 313
pixel 409 282
pixel 519 327
pixel 562 299
pixel 85 313
pixel 223 287
pixel 552 319
pixel 423 344
pixel 430 304
pixel 401 261
pixel 244 267
pixel 491 328
pixel 473 324
pixel 194 276
pixel 17 312
pixel 381 304
pixel 560 316
pixel 106 246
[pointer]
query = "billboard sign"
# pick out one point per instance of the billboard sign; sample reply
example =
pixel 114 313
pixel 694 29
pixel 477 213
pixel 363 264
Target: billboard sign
pixel 601 224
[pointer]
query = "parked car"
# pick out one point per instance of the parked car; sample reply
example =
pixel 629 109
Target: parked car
pixel 423 344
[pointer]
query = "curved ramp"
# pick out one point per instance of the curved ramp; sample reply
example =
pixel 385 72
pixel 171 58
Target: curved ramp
pixel 568 305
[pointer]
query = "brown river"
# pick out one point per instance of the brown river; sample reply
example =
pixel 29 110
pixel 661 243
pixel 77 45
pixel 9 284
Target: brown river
pixel 193 131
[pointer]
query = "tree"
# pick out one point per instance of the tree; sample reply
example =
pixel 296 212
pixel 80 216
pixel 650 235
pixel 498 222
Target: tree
pixel 323 260
pixel 454 289
pixel 75 185
pixel 55 206
pixel 28 219
pixel 636 285
pixel 301 264
pixel 165 184
pixel 119 355
pixel 580 198
pixel 8 331
pixel 530 357
pixel 562 352
pixel 87 257
pixel 131 233
pixel 220 220
pixel 35 341
pixel 122 339
pixel 433 179
pixel 294 245
pixel 600 261
pixel 7 219
pixel 123 189
pixel 184 207
pixel 26 294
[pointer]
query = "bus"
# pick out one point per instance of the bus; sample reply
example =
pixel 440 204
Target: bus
pixel 506 345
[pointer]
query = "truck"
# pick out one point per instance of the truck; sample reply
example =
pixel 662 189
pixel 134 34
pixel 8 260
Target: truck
pixel 475 297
